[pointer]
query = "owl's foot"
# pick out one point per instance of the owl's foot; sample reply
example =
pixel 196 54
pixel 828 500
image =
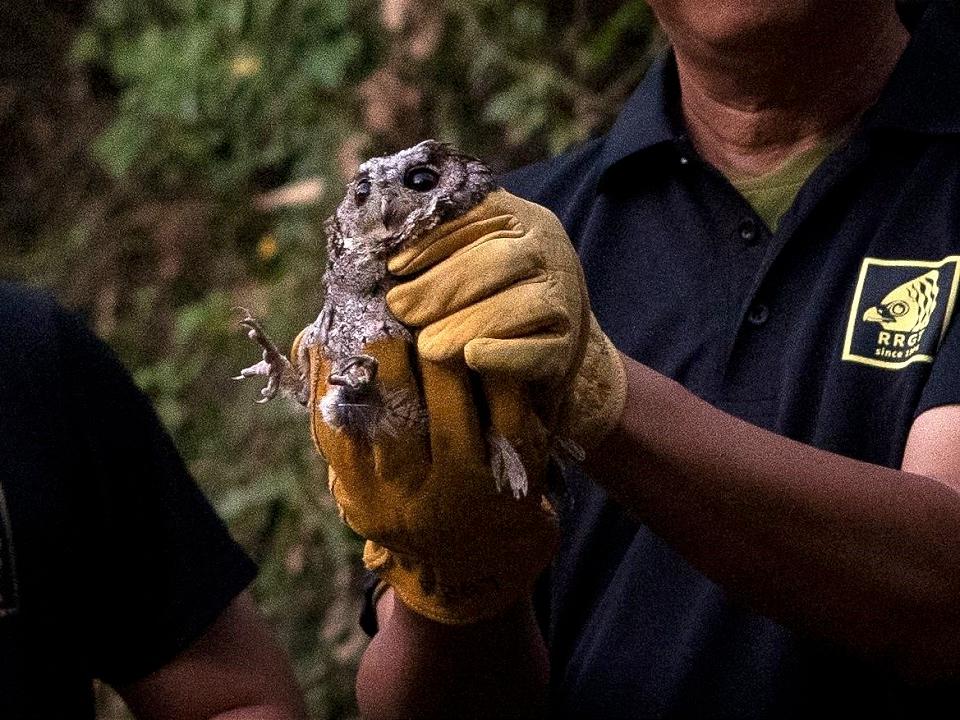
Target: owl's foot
pixel 353 400
pixel 357 404
pixel 507 467
pixel 357 373
pixel 281 376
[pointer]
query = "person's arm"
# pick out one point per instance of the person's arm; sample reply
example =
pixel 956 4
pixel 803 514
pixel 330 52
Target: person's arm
pixel 863 555
pixel 858 553
pixel 168 622
pixel 234 671
pixel 417 668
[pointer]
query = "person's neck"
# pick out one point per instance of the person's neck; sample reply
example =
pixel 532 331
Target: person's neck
pixel 748 108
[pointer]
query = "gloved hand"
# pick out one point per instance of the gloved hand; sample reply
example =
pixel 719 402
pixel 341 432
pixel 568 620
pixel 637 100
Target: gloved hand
pixel 454 548
pixel 502 288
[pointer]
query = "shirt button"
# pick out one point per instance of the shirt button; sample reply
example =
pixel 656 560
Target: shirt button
pixel 758 314
pixel 748 231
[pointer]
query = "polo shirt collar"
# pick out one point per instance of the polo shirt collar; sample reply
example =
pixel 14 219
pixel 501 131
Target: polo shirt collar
pixel 648 118
pixel 922 95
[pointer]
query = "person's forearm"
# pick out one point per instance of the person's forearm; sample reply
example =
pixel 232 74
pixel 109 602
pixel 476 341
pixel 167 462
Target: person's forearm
pixel 417 668
pixel 261 712
pixel 234 671
pixel 853 552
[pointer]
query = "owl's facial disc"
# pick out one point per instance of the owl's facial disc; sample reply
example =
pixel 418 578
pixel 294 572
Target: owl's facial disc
pixel 395 197
pixel 384 201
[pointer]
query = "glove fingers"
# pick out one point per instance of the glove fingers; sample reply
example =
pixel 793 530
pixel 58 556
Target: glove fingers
pixel 480 270
pixel 400 445
pixel 494 215
pixel 366 473
pixel 519 311
pixel 456 440
pixel 513 420
pixel 530 359
pixel 448 239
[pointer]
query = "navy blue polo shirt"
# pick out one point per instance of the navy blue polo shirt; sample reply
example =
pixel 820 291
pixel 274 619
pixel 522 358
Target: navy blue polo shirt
pixel 836 330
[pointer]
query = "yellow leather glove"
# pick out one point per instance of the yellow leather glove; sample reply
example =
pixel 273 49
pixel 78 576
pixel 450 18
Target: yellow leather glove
pixel 453 548
pixel 502 288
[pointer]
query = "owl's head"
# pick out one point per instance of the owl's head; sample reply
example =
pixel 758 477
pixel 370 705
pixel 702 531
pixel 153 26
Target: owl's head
pixel 397 197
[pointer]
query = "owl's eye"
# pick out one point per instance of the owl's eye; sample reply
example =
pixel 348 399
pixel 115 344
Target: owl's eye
pixel 362 191
pixel 421 179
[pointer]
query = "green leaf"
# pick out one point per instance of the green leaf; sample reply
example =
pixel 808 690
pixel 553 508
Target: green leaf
pixel 110 14
pixel 136 58
pixel 528 21
pixel 605 44
pixel 184 9
pixel 328 64
pixel 118 148
pixel 256 495
pixel 231 15
pixel 326 14
pixel 86 48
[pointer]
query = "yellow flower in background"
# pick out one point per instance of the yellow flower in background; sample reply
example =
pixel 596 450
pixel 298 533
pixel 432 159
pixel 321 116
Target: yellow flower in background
pixel 245 66
pixel 267 247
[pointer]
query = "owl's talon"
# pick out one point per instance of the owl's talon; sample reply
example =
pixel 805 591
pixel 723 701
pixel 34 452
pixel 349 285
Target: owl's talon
pixel 357 372
pixel 280 374
pixel 256 333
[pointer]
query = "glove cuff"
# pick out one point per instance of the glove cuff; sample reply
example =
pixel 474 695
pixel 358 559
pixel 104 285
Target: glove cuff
pixel 460 590
pixel 598 395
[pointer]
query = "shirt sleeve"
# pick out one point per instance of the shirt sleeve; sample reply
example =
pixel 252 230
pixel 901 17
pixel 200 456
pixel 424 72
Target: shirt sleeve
pixel 163 565
pixel 943 384
pixel 373 588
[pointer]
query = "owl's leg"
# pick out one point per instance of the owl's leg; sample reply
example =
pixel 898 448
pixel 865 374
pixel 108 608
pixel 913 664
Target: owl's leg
pixel 281 376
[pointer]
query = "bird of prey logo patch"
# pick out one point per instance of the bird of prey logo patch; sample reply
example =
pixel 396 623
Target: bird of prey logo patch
pixel 900 311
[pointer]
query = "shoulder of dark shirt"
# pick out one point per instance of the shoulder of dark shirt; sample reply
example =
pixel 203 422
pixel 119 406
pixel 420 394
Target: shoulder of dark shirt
pixel 26 313
pixel 557 183
pixel 31 328
pixel 47 349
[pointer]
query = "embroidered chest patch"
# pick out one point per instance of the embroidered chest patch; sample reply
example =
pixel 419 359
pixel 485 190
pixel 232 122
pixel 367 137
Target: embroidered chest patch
pixel 900 311
pixel 9 600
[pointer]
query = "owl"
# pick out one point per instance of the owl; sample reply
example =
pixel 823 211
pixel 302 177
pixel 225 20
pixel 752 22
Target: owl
pixel 391 201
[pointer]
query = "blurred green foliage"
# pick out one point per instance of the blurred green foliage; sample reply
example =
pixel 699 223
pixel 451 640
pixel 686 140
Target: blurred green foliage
pixel 175 159
pixel 218 93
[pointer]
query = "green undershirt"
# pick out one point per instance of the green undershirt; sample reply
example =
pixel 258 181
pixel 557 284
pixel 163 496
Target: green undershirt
pixel 772 194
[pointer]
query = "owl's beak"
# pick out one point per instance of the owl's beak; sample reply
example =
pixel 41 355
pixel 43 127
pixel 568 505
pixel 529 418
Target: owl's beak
pixel 389 212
